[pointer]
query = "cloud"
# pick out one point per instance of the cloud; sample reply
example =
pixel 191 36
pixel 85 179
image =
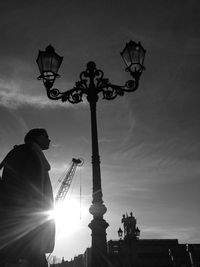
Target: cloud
pixel 15 94
pixel 19 86
pixel 12 96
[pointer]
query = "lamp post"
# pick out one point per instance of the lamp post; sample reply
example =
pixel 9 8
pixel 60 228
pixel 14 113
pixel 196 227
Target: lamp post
pixel 91 84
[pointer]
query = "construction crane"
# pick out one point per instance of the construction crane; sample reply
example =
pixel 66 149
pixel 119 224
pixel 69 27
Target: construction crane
pixel 66 182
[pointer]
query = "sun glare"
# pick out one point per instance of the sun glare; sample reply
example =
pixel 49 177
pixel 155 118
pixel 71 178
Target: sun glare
pixel 68 216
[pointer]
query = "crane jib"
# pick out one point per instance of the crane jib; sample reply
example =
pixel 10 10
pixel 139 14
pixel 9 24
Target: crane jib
pixel 66 182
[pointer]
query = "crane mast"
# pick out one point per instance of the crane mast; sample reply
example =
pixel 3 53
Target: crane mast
pixel 65 185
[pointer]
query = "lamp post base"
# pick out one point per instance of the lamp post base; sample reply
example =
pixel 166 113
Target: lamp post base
pixel 99 244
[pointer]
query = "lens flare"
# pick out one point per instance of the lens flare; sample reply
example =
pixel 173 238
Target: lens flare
pixel 68 216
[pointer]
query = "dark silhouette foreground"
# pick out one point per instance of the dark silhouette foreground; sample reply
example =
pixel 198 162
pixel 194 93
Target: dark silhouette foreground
pixel 26 230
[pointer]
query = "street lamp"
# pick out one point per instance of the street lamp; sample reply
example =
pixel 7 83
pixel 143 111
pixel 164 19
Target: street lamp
pixel 120 232
pixel 91 84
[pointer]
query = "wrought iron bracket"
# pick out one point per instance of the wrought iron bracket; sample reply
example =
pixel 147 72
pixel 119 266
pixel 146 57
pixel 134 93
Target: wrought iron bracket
pixel 91 83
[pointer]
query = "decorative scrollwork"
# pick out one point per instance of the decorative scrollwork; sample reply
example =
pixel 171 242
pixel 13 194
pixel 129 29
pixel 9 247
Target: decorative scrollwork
pixel 102 82
pixel 130 86
pixel 99 78
pixel 74 96
pixel 91 74
pixel 81 84
pixel 54 94
pixel 109 93
pixel 91 83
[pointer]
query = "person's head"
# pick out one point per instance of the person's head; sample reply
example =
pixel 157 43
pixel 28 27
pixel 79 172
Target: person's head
pixel 38 136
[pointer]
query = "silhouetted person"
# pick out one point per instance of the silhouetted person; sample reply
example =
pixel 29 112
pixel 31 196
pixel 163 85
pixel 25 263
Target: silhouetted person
pixel 26 230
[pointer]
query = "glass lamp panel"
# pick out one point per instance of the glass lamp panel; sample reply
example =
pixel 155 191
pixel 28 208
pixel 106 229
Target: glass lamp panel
pixel 39 62
pixel 134 54
pixel 126 57
pixel 56 61
pixel 142 55
pixel 47 62
pixel 44 62
pixel 129 53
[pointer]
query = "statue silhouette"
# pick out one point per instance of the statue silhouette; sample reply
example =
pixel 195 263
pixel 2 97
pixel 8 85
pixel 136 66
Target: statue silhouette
pixel 26 230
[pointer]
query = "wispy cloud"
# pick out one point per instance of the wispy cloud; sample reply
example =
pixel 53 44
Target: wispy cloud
pixel 13 96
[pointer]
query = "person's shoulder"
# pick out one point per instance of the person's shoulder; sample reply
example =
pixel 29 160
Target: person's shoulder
pixel 21 147
pixel 18 151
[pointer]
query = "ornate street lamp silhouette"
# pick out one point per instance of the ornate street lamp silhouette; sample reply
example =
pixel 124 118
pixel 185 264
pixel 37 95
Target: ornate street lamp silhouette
pixel 120 233
pixel 91 84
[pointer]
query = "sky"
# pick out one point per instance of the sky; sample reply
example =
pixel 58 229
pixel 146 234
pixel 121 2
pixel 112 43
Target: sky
pixel 148 140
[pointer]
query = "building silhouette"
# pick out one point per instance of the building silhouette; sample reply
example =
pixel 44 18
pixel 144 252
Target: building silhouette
pixel 130 251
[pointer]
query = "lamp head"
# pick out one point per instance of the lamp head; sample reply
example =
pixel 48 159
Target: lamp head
pixel 137 232
pixel 120 232
pixel 49 63
pixel 133 55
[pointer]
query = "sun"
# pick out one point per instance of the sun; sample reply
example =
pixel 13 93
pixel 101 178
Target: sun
pixel 68 216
